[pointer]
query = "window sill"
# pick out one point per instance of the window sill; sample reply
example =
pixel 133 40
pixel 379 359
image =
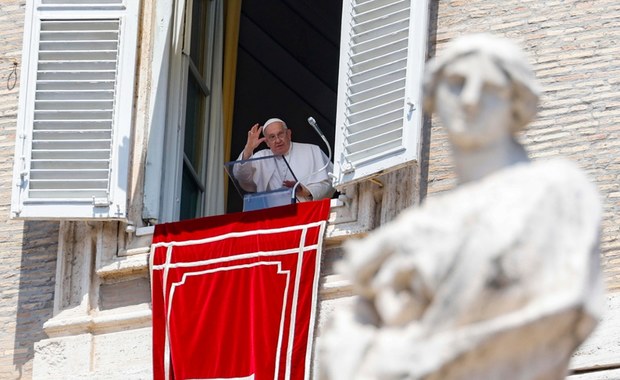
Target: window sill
pixel 342 223
pixel 74 321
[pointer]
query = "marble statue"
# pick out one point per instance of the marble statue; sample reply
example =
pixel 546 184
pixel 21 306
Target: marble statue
pixel 496 279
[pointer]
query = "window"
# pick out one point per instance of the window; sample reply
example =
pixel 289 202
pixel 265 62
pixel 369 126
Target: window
pixel 74 118
pixel 195 139
pixel 378 112
pixel 184 173
pixel 77 90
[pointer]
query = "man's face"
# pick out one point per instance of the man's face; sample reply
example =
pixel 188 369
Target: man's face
pixel 473 102
pixel 277 138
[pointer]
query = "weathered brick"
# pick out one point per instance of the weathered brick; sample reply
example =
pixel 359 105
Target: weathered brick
pixel 27 269
pixel 573 45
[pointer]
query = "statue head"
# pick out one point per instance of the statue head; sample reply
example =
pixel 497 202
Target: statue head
pixel 483 89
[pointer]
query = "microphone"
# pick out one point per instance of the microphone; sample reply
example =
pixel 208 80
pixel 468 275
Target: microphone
pixel 316 128
pixel 314 125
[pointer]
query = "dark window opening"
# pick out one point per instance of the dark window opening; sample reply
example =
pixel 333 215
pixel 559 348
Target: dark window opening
pixel 287 67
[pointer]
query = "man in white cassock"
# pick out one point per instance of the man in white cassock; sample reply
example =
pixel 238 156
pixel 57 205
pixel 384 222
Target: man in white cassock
pixel 292 162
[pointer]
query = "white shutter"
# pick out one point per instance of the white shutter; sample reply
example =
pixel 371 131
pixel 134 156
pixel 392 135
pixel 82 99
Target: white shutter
pixel 75 111
pixel 379 113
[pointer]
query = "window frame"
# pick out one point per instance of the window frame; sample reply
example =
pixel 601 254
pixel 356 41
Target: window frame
pixel 165 152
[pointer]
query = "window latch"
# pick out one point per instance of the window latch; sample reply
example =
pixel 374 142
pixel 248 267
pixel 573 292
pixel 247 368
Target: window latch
pixel 101 202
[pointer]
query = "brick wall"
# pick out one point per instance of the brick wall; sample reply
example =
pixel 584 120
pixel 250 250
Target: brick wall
pixel 27 250
pixel 574 48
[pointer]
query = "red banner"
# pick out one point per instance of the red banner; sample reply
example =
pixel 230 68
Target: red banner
pixel 234 296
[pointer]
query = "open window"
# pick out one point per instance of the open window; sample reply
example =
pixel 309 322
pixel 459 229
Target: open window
pixel 74 118
pixel 287 67
pixel 355 66
pixel 184 172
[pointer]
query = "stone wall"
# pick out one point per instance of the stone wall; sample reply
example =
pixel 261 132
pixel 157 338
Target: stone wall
pixel 27 249
pixel 573 46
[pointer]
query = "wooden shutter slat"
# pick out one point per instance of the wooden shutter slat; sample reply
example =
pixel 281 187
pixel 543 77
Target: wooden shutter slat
pixel 370 91
pixel 64 174
pixel 63 195
pixel 69 135
pixel 81 2
pixel 75 105
pixel 84 85
pixel 72 115
pixel 366 104
pixel 379 144
pixel 45 184
pixel 363 157
pixel 373 9
pixel 53 125
pixel 70 154
pixel 83 145
pixel 69 164
pixel 386 108
pixel 77 45
pixel 367 130
pixel 77 66
pixel 362 142
pixel 74 95
pixel 90 24
pixel 77 55
pixel 77 75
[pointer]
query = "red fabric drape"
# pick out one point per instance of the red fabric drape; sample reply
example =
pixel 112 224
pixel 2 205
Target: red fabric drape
pixel 234 295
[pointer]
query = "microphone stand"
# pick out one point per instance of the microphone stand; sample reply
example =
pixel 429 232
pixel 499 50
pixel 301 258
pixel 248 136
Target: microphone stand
pixel 315 126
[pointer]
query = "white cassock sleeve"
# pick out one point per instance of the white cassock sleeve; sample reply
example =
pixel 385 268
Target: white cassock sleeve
pixel 256 176
pixel 244 174
pixel 306 161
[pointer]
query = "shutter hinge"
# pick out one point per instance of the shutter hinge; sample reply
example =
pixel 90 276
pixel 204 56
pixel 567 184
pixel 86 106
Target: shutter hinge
pixel 411 108
pixel 101 202
pixel 347 167
pixel 23 172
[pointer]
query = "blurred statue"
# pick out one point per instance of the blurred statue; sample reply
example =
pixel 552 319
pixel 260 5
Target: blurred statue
pixel 497 279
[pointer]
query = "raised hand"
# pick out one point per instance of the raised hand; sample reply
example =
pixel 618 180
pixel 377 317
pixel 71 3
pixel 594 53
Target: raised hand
pixel 253 141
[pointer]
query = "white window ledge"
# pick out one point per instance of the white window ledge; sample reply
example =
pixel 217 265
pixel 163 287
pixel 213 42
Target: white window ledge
pixel 134 259
pixel 74 321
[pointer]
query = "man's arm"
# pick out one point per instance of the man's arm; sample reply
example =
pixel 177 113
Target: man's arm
pixel 321 190
pixel 244 173
pixel 317 185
